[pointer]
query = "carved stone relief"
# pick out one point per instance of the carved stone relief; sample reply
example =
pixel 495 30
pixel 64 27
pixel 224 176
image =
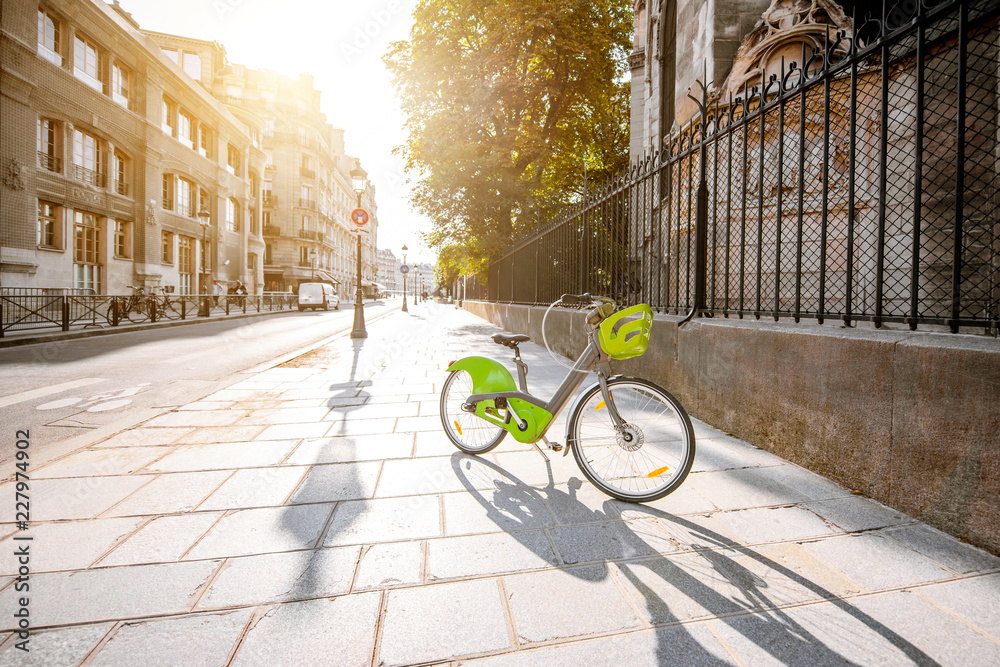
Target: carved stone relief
pixel 786 30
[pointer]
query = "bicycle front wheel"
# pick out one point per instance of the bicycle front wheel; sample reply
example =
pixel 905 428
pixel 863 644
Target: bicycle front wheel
pixel 466 431
pixel 650 457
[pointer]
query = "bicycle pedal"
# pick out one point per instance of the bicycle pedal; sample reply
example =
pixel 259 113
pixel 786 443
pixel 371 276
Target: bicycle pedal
pixel 555 446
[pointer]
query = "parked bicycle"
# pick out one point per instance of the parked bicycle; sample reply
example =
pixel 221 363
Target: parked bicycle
pixel 630 437
pixel 139 307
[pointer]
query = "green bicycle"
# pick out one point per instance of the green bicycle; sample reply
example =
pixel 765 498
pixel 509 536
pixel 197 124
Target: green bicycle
pixel 630 437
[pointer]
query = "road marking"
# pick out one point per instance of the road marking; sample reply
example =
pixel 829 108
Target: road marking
pixel 47 391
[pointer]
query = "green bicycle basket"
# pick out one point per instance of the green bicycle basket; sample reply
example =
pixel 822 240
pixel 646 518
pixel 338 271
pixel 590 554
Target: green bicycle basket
pixel 624 340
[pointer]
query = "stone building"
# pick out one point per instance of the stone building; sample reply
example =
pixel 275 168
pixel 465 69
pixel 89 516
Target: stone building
pixel 306 194
pixel 131 156
pixel 388 274
pixel 157 162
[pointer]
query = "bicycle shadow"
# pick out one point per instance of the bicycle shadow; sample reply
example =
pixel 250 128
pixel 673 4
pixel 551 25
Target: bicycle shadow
pixel 514 506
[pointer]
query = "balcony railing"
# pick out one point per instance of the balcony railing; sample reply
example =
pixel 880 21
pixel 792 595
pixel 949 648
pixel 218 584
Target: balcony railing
pixel 270 200
pixel 305 172
pixel 307 203
pixel 121 188
pixel 310 234
pixel 272 230
pixel 50 162
pixel 88 176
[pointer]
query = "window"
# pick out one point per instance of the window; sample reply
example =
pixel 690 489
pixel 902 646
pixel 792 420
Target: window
pixel 204 203
pixel 303 256
pixel 192 65
pixel 235 92
pixel 185 129
pixel 232 216
pixel 167 118
pixel 123 239
pixel 268 128
pixel 254 226
pixel 87 159
pixel 267 194
pixel 86 251
pixel 48 225
pixel 253 185
pixel 305 198
pixel 168 192
pixel 268 254
pixel 86 63
pixel 167 247
pixel 49 34
pixel 48 145
pixel 185 263
pixel 120 78
pixel 120 172
pixel 266 219
pixel 205 141
pixel 185 200
pixel 172 54
pixel 233 160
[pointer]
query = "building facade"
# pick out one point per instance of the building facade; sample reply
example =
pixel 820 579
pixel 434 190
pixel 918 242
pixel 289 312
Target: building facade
pixel 389 276
pixel 135 158
pixel 118 166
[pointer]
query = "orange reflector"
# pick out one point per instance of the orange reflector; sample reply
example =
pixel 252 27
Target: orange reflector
pixel 599 405
pixel 458 428
pixel 450 363
pixel 658 471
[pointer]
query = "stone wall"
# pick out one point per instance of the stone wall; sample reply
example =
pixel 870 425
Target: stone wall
pixel 909 419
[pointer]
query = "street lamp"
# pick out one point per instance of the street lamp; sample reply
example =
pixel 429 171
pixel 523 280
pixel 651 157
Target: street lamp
pixel 359 180
pixel 205 218
pixel 404 280
pixel 414 283
pixel 312 263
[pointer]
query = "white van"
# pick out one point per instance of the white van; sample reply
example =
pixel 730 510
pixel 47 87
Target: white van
pixel 318 295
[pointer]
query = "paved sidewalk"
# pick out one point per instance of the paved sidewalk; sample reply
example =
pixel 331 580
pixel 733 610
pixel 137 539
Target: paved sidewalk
pixel 315 513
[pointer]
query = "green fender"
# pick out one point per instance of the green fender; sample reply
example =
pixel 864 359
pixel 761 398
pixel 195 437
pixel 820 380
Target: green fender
pixel 488 375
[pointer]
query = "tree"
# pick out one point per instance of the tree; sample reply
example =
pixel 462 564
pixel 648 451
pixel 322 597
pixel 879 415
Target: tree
pixel 509 104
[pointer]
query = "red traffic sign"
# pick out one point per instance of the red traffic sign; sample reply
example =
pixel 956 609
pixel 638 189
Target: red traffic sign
pixel 360 217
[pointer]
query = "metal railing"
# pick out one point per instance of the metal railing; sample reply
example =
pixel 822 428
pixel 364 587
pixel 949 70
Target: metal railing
pixel 862 184
pixel 23 309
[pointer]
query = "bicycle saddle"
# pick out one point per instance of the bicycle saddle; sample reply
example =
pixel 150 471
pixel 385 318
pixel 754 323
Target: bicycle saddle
pixel 510 340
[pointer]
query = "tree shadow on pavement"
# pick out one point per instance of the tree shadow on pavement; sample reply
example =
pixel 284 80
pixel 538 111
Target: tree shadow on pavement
pixel 514 505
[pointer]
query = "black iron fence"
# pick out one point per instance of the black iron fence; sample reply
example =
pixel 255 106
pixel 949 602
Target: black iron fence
pixel 23 309
pixel 859 184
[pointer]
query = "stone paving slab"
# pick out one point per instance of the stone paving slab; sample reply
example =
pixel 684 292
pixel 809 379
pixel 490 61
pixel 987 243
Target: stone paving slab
pixel 315 513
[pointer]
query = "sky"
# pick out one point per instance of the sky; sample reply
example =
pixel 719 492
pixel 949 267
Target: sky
pixel 341 44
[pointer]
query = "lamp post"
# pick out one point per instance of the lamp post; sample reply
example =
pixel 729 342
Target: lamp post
pixel 205 218
pixel 414 283
pixel 312 263
pixel 404 280
pixel 359 181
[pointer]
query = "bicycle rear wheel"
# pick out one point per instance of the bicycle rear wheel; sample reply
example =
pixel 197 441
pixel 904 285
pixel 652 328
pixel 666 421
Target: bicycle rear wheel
pixel 138 313
pixel 650 458
pixel 466 431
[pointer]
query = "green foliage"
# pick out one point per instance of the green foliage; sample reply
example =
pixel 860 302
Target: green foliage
pixel 509 103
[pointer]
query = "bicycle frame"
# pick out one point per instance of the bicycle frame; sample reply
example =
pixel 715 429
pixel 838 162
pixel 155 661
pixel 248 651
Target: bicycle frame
pixel 528 417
